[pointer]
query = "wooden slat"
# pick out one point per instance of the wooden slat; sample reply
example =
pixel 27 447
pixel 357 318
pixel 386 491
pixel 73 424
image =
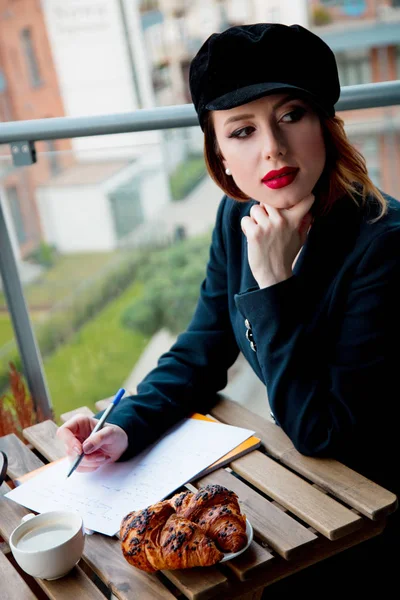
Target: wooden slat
pixel 102 404
pixel 4 547
pixel 43 437
pixel 103 554
pixel 13 587
pixel 318 510
pixel 245 565
pixel 82 410
pixel 322 549
pixel 20 459
pixel 74 585
pixel 198 583
pixel 369 498
pixel 275 441
pixel 285 535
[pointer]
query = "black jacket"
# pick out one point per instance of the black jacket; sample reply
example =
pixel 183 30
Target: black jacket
pixel 325 340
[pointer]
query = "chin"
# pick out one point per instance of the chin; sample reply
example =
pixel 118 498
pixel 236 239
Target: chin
pixel 282 203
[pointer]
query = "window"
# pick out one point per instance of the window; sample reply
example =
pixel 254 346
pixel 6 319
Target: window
pixel 16 214
pixel 354 68
pixel 126 207
pixel 350 8
pixel 30 58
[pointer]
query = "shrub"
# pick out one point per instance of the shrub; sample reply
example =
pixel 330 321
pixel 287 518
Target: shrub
pixel 44 254
pixel 173 279
pixel 16 408
pixel 69 316
pixel 186 176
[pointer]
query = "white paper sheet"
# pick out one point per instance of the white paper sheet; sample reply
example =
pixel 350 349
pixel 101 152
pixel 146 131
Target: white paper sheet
pixel 105 496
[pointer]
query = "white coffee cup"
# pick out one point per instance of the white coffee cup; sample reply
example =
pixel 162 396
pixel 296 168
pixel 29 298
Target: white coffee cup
pixel 48 545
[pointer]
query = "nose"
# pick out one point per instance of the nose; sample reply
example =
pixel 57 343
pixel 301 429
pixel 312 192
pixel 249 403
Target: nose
pixel 274 144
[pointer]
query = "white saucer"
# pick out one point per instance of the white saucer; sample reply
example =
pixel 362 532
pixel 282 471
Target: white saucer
pixel 249 532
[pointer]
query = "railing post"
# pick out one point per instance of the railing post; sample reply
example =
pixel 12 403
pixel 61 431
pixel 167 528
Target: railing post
pixel 28 349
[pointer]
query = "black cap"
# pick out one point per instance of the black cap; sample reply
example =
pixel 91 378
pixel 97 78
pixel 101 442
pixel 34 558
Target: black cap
pixel 247 62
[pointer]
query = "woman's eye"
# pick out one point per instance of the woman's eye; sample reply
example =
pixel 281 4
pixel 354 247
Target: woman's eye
pixel 242 133
pixel 294 115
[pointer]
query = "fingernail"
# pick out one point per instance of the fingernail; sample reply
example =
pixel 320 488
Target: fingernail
pixel 88 447
pixel 76 449
pixel 99 459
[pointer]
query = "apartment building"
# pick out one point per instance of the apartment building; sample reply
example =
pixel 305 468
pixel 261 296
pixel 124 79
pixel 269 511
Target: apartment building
pixel 365 36
pixel 29 89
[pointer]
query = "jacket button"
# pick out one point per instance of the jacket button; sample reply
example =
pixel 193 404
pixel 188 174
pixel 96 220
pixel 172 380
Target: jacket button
pixel 246 322
pixel 253 346
pixel 249 335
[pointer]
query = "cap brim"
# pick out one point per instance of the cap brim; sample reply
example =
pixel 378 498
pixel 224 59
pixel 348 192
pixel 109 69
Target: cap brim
pixel 258 90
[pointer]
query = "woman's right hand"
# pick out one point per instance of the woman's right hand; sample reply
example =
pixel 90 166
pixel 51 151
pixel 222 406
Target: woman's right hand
pixel 105 446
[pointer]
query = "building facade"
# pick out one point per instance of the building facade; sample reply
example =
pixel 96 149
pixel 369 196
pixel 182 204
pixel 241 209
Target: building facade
pixel 365 36
pixel 29 89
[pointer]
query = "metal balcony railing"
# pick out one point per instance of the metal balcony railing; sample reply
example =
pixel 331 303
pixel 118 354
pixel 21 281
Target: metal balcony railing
pixel 23 134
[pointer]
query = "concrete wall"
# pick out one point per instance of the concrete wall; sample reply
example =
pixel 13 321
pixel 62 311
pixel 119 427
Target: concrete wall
pixel 76 218
pixel 91 56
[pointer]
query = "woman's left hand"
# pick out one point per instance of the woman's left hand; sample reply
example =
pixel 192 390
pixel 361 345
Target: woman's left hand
pixel 275 237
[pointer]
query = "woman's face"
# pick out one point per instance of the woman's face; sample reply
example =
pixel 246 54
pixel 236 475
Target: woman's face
pixel 274 148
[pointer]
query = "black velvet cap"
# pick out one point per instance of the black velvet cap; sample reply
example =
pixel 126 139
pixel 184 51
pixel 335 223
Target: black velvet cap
pixel 247 62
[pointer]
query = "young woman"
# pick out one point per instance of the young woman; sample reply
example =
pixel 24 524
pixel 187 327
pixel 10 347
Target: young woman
pixel 303 270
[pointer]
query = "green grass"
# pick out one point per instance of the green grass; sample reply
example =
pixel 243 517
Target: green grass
pixel 61 280
pixel 95 363
pixel 6 330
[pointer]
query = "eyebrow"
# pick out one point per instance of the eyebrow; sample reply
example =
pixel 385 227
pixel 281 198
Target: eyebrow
pixel 241 116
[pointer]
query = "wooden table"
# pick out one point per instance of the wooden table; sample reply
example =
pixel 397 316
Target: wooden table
pixel 302 510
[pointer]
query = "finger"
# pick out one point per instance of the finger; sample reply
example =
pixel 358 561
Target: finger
pixel 87 467
pixel 259 213
pixel 80 425
pixel 89 460
pixel 82 469
pixel 249 227
pixel 274 215
pixel 72 444
pixel 97 440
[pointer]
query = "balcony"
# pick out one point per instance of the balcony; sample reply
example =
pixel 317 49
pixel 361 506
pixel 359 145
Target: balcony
pixel 82 229
pixel 362 34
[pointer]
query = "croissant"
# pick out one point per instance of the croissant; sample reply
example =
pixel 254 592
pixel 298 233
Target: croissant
pixel 216 510
pixel 156 538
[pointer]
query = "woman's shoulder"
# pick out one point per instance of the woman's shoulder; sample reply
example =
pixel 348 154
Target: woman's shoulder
pixel 373 217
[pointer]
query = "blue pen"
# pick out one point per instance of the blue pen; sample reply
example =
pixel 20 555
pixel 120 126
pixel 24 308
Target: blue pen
pixel 99 426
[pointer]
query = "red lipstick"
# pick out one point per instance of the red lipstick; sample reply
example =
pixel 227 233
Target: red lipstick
pixel 281 178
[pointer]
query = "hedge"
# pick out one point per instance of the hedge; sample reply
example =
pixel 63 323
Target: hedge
pixel 69 316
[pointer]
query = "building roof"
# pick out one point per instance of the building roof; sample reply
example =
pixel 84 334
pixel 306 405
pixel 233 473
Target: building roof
pixel 87 173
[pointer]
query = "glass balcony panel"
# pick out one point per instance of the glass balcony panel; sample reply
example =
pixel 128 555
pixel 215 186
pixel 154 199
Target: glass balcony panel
pixel 112 244
pixel 102 239
pixel 16 405
pixel 376 133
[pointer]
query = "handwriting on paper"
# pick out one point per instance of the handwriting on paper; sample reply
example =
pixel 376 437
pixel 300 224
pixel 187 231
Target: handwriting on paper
pixel 105 496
